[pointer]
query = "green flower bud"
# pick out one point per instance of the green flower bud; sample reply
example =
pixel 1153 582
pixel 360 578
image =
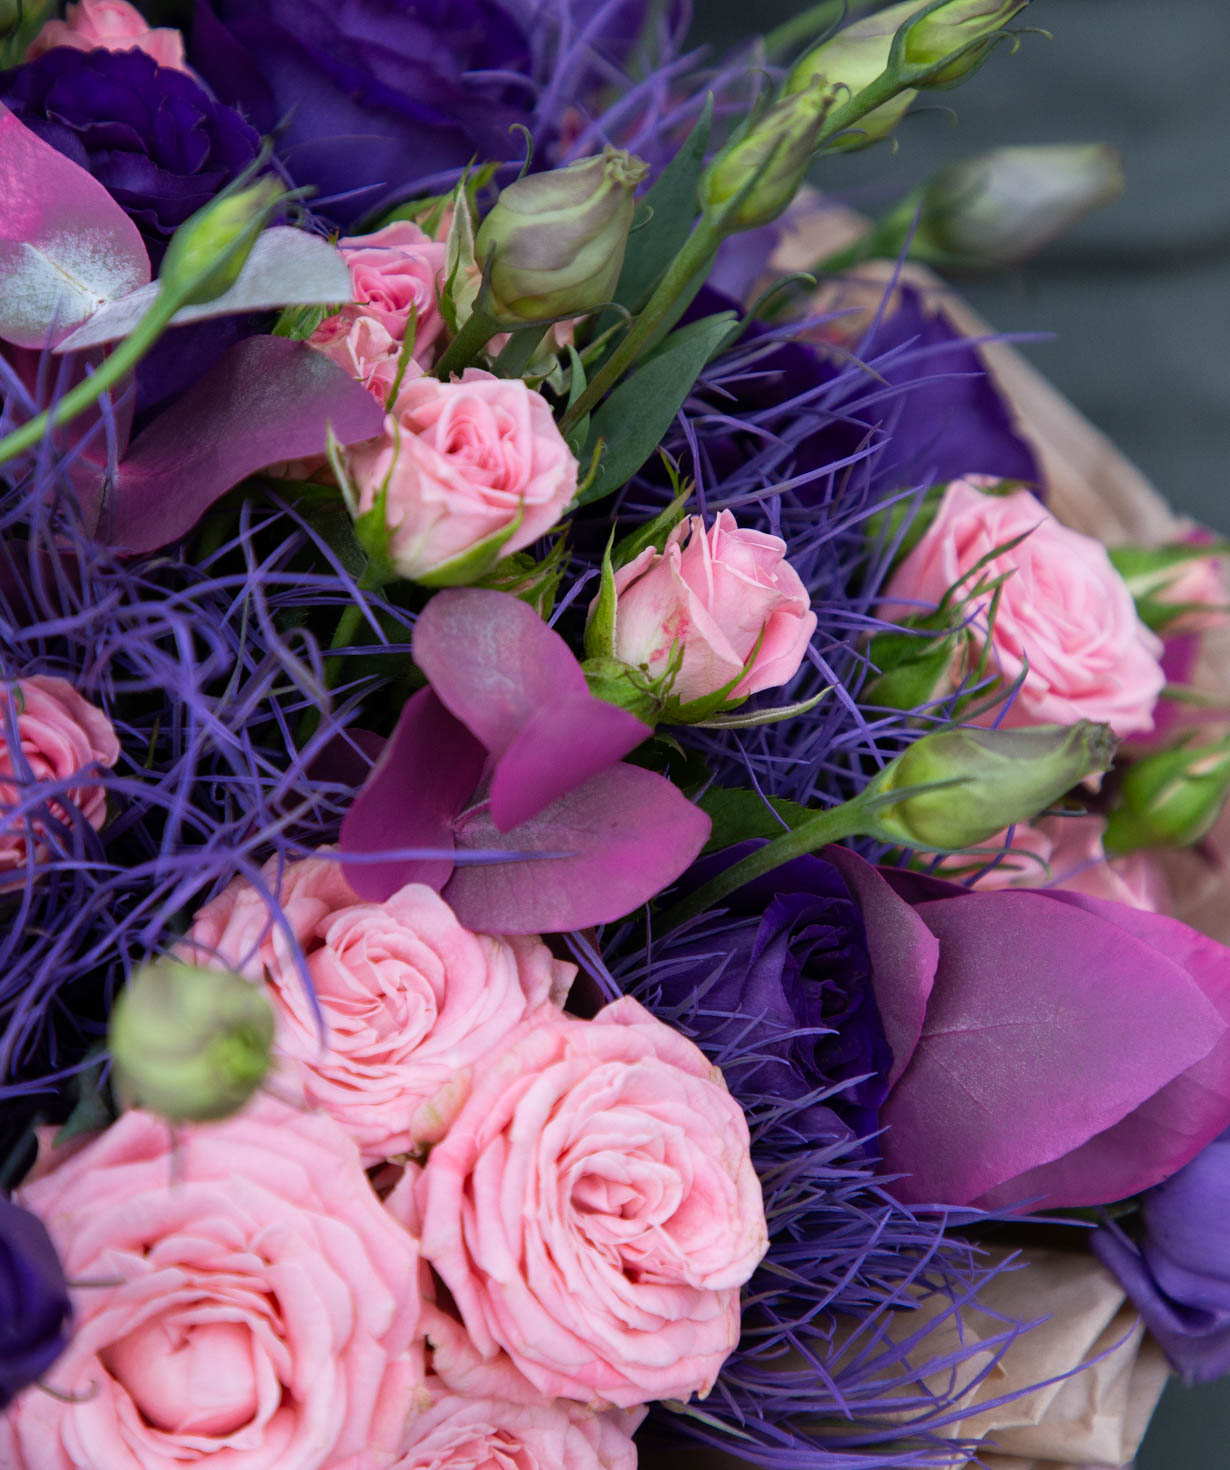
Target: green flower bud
pixel 1170 798
pixel 983 781
pixel 768 163
pixel 963 30
pixel 555 241
pixel 208 251
pixel 189 1043
pixel 999 208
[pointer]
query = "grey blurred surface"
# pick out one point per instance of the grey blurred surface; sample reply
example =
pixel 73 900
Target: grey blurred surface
pixel 1138 296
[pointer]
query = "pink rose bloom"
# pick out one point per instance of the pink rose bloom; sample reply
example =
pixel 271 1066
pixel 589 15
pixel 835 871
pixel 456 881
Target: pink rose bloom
pixel 410 1000
pixel 111 25
pixel 1063 608
pixel 484 1434
pixel 397 274
pixel 60 737
pixel 251 1304
pixel 362 346
pixel 593 1209
pixel 461 462
pixel 1199 587
pixel 718 594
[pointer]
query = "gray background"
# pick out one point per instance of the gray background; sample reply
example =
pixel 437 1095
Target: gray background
pixel 1138 296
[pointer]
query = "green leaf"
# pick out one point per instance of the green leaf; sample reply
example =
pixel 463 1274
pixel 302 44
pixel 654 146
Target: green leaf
pixel 673 200
pixel 299 322
pixel 740 815
pixel 634 418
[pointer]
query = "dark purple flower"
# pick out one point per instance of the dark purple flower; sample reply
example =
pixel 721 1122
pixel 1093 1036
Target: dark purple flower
pixel 370 96
pixel 1178 1271
pixel 34 1307
pixel 159 144
pixel 780 995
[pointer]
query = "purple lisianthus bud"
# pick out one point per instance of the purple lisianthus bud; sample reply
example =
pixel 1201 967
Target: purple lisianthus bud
pixel 369 96
pixel 34 1306
pixel 152 136
pixel 1178 1271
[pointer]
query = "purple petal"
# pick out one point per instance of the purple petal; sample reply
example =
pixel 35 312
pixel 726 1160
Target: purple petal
pixel 422 780
pixel 1047 1026
pixel 66 247
pixel 267 399
pixel 627 833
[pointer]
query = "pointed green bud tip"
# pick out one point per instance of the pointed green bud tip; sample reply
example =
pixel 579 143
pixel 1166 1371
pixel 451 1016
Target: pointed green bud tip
pixel 756 176
pixel 553 244
pixel 982 781
pixel 188 1043
pixel 952 40
pixel 1001 207
pixel 209 250
pixel 1170 798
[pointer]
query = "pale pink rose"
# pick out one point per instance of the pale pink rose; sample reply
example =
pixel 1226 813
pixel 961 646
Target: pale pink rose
pixel 1062 607
pixel 409 1000
pixel 398 273
pixel 461 462
pixel 593 1210
pixel 111 25
pixel 484 1434
pixel 251 1305
pixel 723 595
pixel 362 346
pixel 62 740
pixel 1199 587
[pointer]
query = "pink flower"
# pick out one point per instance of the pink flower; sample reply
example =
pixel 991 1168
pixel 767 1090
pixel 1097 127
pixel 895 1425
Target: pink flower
pixel 593 1209
pixel 111 25
pixel 1063 609
pixel 1199 588
pixel 60 737
pixel 484 1434
pixel 410 1001
pixel 363 346
pixel 724 596
pixel 462 462
pixel 252 1305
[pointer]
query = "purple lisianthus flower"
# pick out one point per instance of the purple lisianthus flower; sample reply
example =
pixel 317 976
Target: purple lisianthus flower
pixel 779 993
pixel 1177 1271
pixel 369 96
pixel 151 135
pixel 34 1306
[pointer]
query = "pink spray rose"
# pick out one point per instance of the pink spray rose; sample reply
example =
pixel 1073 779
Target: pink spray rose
pixel 252 1304
pixel 59 736
pixel 1063 609
pixel 464 461
pixel 410 1000
pixel 724 595
pixel 365 348
pixel 111 25
pixel 593 1209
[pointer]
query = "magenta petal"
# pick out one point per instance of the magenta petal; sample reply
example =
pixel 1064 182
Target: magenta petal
pixel 1046 1027
pixel 66 247
pixel 627 833
pixel 904 954
pixel 422 780
pixel 561 745
pixel 267 399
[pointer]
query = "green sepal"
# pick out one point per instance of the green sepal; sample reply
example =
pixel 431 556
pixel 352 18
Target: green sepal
pixel 600 629
pixel 475 562
pixel 912 666
pixel 657 531
pixel 620 684
pixel 535 582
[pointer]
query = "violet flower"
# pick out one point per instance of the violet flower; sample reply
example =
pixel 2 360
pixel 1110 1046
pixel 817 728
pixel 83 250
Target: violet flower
pixel 508 751
pixel 34 1306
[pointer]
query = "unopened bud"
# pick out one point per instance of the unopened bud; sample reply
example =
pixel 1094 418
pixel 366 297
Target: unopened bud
pixel 959 33
pixel 191 1044
pixel 1169 799
pixel 10 15
pixel 1001 207
pixel 208 251
pixel 765 167
pixel 982 781
pixel 555 241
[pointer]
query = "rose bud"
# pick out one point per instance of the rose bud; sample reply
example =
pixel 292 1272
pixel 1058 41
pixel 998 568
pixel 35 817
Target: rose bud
pixel 109 25
pixel 209 250
pixel 960 33
pixel 769 162
pixel 982 781
pixel 1170 798
pixel 999 208
pixel 190 1044
pixel 34 1307
pixel 554 242
pixel 723 602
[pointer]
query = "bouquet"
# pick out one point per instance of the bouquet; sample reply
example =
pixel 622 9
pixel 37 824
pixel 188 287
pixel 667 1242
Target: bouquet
pixel 596 835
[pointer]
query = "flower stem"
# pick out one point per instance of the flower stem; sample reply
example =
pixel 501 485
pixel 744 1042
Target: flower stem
pixel 476 331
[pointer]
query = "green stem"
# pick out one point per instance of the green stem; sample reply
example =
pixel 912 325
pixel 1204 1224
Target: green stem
pixel 476 331
pixel 519 351
pixel 698 250
pixel 816 831
pixel 111 371
pixel 347 626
